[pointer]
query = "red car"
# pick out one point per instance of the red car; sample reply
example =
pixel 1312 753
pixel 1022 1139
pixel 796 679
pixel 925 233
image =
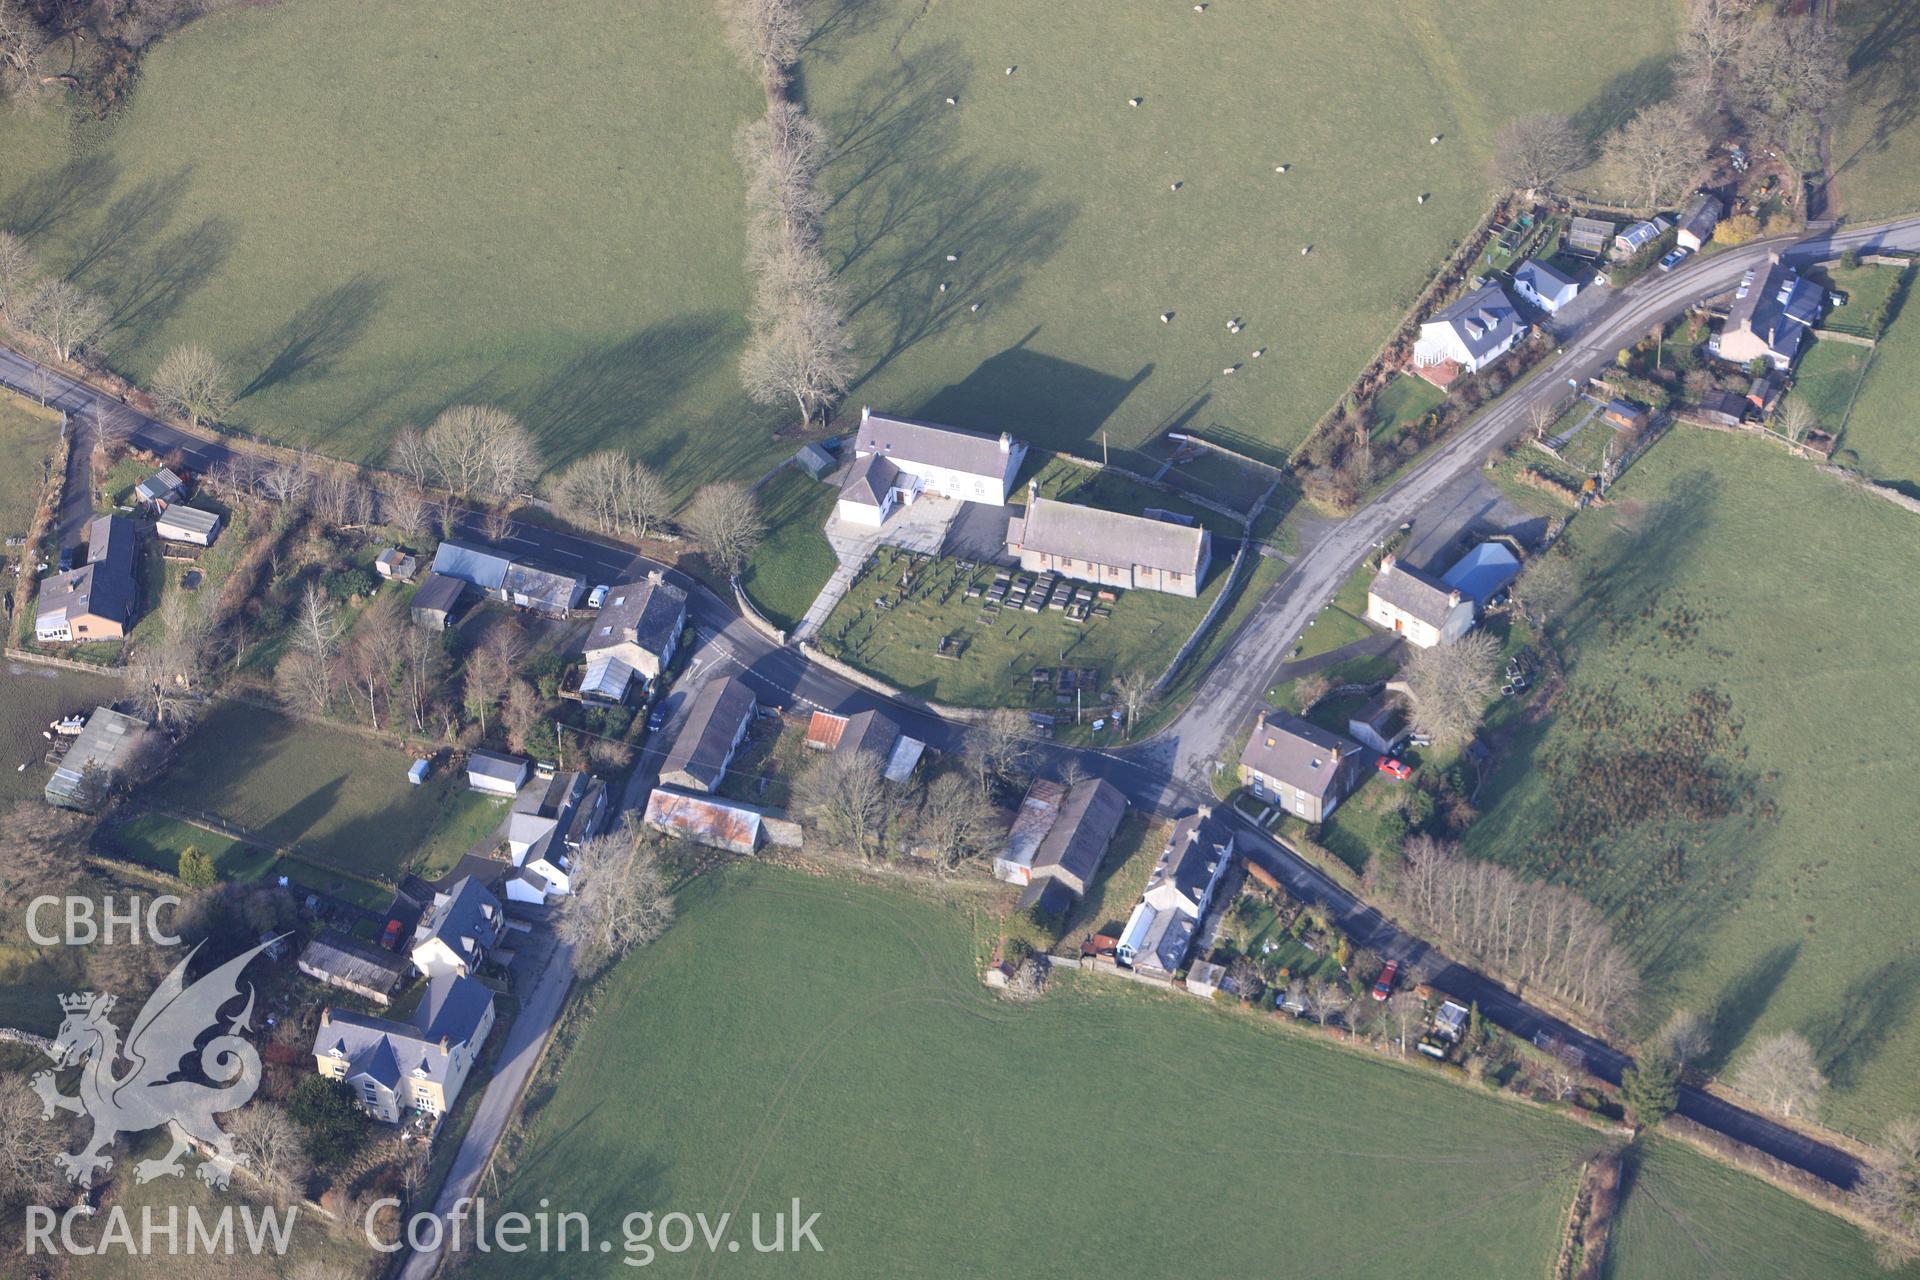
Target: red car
pixel 1395 768
pixel 1384 987
pixel 391 938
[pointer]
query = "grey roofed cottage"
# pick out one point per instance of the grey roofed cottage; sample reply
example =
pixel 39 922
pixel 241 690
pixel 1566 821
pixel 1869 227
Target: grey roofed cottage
pixel 903 441
pixel 94 601
pixel 181 523
pixel 421 1062
pixel 1702 215
pixel 715 724
pixel 870 482
pixel 1474 331
pixel 1544 285
pixel 1307 769
pixel 872 731
pixel 110 742
pixel 1724 408
pixel 434 603
pixel 342 960
pixel 1038 811
pixel 478 566
pixel 1070 854
pixel 499 774
pixel 542 590
pixel 1160 931
pixel 1772 309
pixel 1109 547
pixel 1407 601
pixel 639 623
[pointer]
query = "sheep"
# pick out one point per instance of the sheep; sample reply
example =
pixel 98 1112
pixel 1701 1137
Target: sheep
pixel 953 257
pixel 1420 199
pixel 1199 8
pixel 1281 168
pixel 1305 249
pixel 943 286
pixel 974 307
pixel 1166 317
pixel 1434 141
pixel 1258 352
pixel 952 101
pixel 1011 70
pixel 1133 102
pixel 1232 368
pixel 1176 186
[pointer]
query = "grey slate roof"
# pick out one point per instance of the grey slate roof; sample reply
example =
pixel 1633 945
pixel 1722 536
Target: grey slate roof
pixel 543 588
pixel 341 957
pixel 1543 278
pixel 935 446
pixel 384 1050
pixel 871 731
pixel 647 613
pixel 502 768
pixel 1482 319
pixel 1298 753
pixel 1106 537
pixel 1778 305
pixel 104 585
pixel 438 594
pixel 1702 215
pixel 1198 843
pixel 162 484
pixel 483 568
pixel 547 812
pixel 466 917
pixel 452 1008
pixel 713 723
pixel 1412 592
pixel 869 480
pixel 1076 844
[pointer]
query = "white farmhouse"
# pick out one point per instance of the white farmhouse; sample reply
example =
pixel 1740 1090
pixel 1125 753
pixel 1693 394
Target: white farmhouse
pixel 1544 285
pixel 1426 612
pixel 1472 333
pixel 897 460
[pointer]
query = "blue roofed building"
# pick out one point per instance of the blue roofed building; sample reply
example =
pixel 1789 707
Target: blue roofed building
pixel 1483 572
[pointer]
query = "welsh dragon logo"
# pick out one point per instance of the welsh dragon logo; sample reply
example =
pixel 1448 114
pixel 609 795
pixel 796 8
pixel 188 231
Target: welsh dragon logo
pixel 154 1090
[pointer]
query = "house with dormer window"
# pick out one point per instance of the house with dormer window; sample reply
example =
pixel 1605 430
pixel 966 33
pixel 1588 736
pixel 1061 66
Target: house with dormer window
pixel 420 1064
pixel 1471 333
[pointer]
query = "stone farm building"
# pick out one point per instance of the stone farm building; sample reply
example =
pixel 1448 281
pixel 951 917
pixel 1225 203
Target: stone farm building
pixel 96 600
pixel 435 603
pixel 1109 547
pixel 634 634
pixel 342 960
pixel 871 731
pixel 1472 333
pixel 419 1064
pixel 897 460
pixel 1702 215
pixel 716 723
pixel 1426 612
pixel 718 824
pixel 507 580
pixel 1306 769
pixel 1069 855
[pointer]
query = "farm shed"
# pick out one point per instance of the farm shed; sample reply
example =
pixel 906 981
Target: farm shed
pixel 497 774
pixel 188 524
pixel 436 600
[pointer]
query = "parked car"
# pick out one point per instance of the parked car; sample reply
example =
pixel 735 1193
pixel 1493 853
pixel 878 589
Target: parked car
pixel 391 938
pixel 1675 258
pixel 597 596
pixel 1395 768
pixel 657 718
pixel 66 558
pixel 1383 986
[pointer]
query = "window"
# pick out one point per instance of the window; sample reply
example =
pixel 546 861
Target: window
pixel 1300 804
pixel 1174 576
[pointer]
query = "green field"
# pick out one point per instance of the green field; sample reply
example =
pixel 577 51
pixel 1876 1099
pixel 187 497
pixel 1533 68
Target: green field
pixel 1827 376
pixel 31 696
pixel 1683 1214
pixel 787 570
pixel 1883 434
pixel 900 644
pixel 1728 773
pixel 459 202
pixel 1056 195
pixel 28 434
pixel 941 1132
pixel 340 799
pixel 1876 136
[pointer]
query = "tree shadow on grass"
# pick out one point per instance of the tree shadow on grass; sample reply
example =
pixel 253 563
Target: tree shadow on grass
pixel 1884 67
pixel 1847 1034
pixel 1625 95
pixel 903 198
pixel 1661 537
pixel 136 217
pixel 608 396
pixel 1036 396
pixel 310 343
pixel 57 196
pixel 143 298
pixel 1743 1000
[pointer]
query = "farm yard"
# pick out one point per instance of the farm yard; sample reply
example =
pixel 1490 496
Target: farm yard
pixel 1274 1166
pixel 977 635
pixel 1725 773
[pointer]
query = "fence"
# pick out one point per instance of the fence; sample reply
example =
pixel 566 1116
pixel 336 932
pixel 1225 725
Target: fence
pixel 67 664
pixel 966 715
pixel 1213 610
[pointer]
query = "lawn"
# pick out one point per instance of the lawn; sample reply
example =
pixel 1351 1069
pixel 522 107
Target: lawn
pixel 1056 198
pixel 1881 434
pixel 788 570
pixel 1342 620
pixel 1401 403
pixel 28 435
pixel 1827 376
pixel 938 1131
pixel 900 644
pixel 1868 288
pixel 1728 772
pixel 460 202
pixel 341 800
pixel 1684 1214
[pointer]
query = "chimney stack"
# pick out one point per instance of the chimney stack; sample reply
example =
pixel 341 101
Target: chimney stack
pixel 1387 562
pixel 865 413
pixel 446 1042
pixel 1006 442
pixel 1453 598
pixel 326 1014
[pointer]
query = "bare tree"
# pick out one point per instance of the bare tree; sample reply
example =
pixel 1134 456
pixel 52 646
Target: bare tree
pixel 1000 748
pixel 954 822
pixel 783 153
pixel 29 1173
pixel 271 1141
pixel 410 456
pixel 496 525
pixel 18 270
pixel 285 481
pixel 308 673
pixel 1657 155
pixel 1796 417
pixel 1134 693
pixel 521 713
pixel 373 654
pixel 190 380
pixel 1404 1012
pixel 24 80
pixel 1790 71
pixel 801 353
pixel 768 35
pixel 851 804
pixel 620 897
pixel 1888 1193
pixel 1542 414
pixel 1452 684
pixel 611 493
pixel 1326 999
pixel 422 667
pixel 63 317
pixel 1781 1075
pixel 727 521
pixel 1547 585
pixel 481 450
pixel 1710 43
pixel 112 425
pixel 1536 151
pixel 405 508
pixel 1685 1037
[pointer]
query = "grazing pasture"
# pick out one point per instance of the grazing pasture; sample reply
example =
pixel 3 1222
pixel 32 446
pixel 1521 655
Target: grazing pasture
pixel 1883 433
pixel 939 1131
pixel 1728 773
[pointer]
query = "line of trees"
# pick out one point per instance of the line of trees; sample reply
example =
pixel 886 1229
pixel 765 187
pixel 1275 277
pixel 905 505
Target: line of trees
pixel 472 450
pixel 1542 934
pixel 798 349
